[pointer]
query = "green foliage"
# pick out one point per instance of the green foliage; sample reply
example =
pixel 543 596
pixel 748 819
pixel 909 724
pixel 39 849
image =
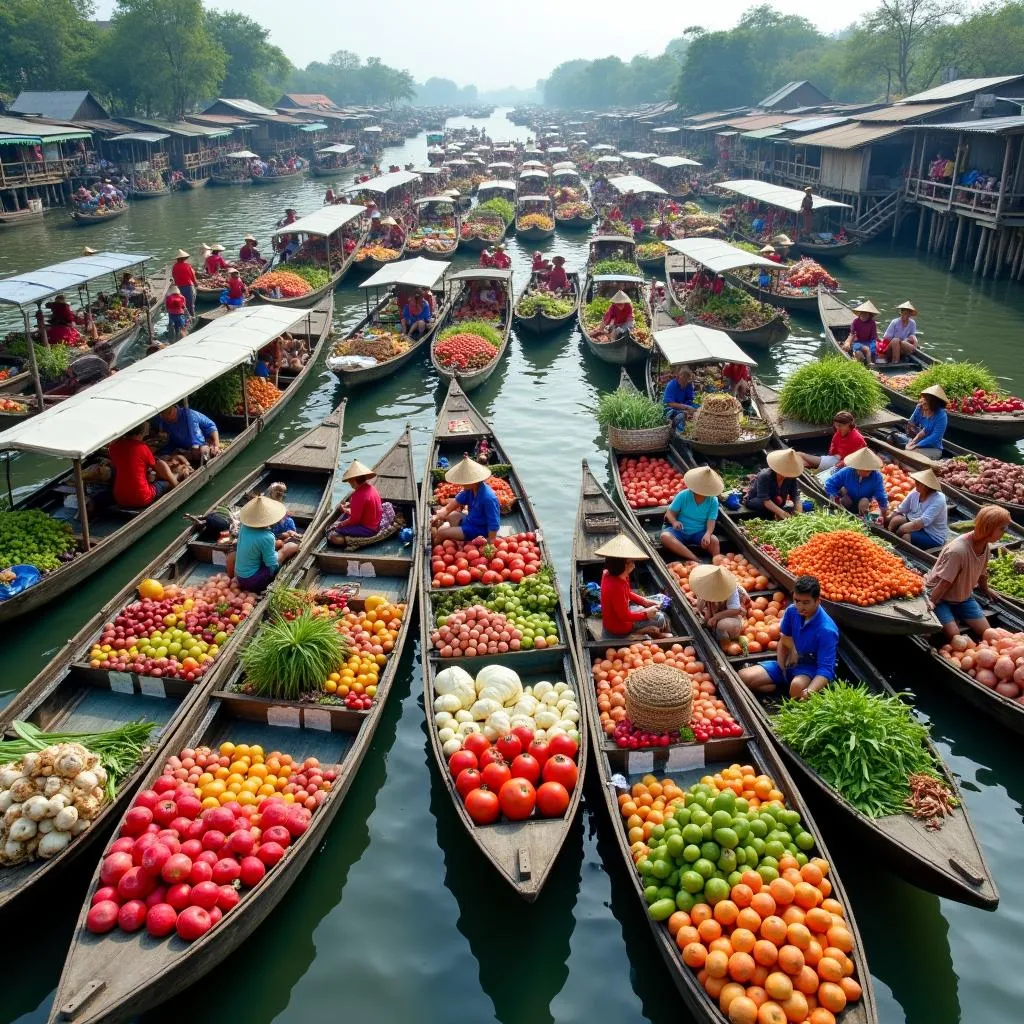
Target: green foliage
pixel 45 44
pixel 544 302
pixel 256 69
pixel 609 81
pixel 816 392
pixel 346 79
pixel 629 410
pixel 315 276
pixel 52 360
pixel 958 380
pixel 625 268
pixel 221 396
pixel 502 207
pixel 289 658
pixel 479 327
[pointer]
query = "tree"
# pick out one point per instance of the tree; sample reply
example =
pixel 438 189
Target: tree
pixel 719 73
pixel 45 44
pixel 906 26
pixel 437 92
pixel 989 42
pixel 256 69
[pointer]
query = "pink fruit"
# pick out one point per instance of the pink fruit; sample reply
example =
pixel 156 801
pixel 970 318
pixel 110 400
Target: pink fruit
pixel 132 915
pixel 205 895
pixel 154 857
pixel 252 871
pixel 228 898
pixel 136 821
pixel 277 834
pixel 114 866
pixel 160 920
pixel 270 853
pixel 108 892
pixel 102 917
pixel 179 896
pixel 226 870
pixel 193 923
pixel 176 868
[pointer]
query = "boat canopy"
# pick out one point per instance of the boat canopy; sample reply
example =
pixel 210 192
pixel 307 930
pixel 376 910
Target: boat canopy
pixel 477 274
pixel 242 154
pixel 500 164
pixel 777 195
pixel 435 199
pixel 632 183
pixel 694 343
pixel 534 173
pixel 46 282
pixel 671 162
pixel 416 273
pixel 638 156
pixel 718 256
pixel 627 240
pixel 339 147
pixel 503 186
pixel 557 149
pixel 608 160
pixel 384 183
pixel 324 222
pixel 373 129
pixel 541 197
pixel 602 147
pixel 564 165
pixel 84 423
pixel 632 278
pixel 534 165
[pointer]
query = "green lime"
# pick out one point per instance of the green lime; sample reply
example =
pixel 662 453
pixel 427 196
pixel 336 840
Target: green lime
pixel 727 837
pixel 767 872
pixel 691 882
pixel 691 854
pixel 716 890
pixel 704 867
pixel 693 834
pixel 685 901
pixel 712 851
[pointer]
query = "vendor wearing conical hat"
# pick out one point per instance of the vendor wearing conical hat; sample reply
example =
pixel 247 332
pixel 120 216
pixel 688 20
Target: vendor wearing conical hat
pixel 927 424
pixel 474 511
pixel 618 320
pixel 863 339
pixel 774 491
pixel 922 517
pixel 721 602
pixel 184 276
pixel 255 561
pixel 214 262
pixel 692 514
pixel 624 613
pixel 900 336
pixel 249 253
pixel 859 483
pixel 769 252
pixel 364 508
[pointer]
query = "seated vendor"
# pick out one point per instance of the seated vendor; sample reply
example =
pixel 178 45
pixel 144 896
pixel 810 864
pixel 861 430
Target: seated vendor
pixel 473 512
pixel 255 561
pixel 249 253
pixel 416 316
pixel 900 338
pixel 624 613
pixel 557 279
pixel 139 476
pixel 863 340
pixel 189 431
pixel 618 321
pixel 61 325
pixel 923 516
pixel 774 490
pixel 692 514
pixel 680 397
pixel 364 509
pixel 737 376
pixel 284 530
pixel 268 361
pixel 859 483
pixel 806 655
pixel 502 260
pixel 237 290
pixel 846 439
pixel 214 262
pixel 722 604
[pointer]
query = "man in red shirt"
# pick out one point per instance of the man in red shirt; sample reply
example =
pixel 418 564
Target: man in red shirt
pixel 738 377
pixel 486 258
pixel 237 290
pixel 185 278
pixel 501 258
pixel 139 477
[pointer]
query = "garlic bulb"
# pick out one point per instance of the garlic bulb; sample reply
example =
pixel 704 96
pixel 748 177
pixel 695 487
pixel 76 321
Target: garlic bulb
pixel 35 807
pixel 66 819
pixel 12 814
pixel 8 774
pixel 53 843
pixel 85 781
pixel 30 764
pixel 22 830
pixel 52 785
pixel 22 789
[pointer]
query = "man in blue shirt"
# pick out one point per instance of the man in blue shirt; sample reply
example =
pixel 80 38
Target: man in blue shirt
pixel 859 483
pixel 189 431
pixel 680 396
pixel 482 515
pixel 806 655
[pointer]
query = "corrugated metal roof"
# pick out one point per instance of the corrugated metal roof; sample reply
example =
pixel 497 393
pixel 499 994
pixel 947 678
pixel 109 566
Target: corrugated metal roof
pixel 986 126
pixel 902 113
pixel 813 124
pixel 780 94
pixel 850 136
pixel 764 133
pixel 183 128
pixel 61 105
pixel 716 255
pixel 228 119
pixel 151 137
pixel 42 131
pixel 713 115
pixel 245 106
pixel 960 88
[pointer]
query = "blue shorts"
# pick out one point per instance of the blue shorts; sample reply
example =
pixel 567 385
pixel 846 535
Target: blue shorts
pixel 869 345
pixel 923 539
pixel 179 320
pixel 687 538
pixel 783 677
pixel 950 611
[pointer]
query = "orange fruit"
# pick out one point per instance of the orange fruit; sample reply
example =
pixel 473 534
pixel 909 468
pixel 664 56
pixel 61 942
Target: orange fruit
pixel 743 940
pixel 686 935
pixel 749 918
pixel 813 953
pixel 806 895
pixel 694 955
pixel 741 966
pixel 709 930
pixel 771 1013
pixel 726 912
pixel 741 895
pixel 752 880
pixel 851 988
pixel 778 986
pixel 730 991
pixel 763 904
pixel 699 913
pixel 793 915
pixel 821 1016
pixel 811 873
pixel 840 938
pixel 742 1010
pixel 676 921
pixel 787 861
pixel 806 981
pixel 782 892
pixel 774 929
pixel 756 994
pixel 722 944
pixel 760 973
pixel 795 1008
pixel 717 964
pixel 791 959
pixel 831 997
pixel 714 986
pixel 798 935
pixel 833 907
pixel 830 970
pixel 765 952
pixel 818 920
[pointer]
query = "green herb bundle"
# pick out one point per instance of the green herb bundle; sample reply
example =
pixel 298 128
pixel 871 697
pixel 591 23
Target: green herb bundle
pixel 502 207
pixel 1004 576
pixel 478 327
pixel 958 380
pixel 865 745
pixel 52 361
pixel 315 276
pixel 617 267
pixel 787 534
pixel 222 396
pixel 629 410
pixel 816 392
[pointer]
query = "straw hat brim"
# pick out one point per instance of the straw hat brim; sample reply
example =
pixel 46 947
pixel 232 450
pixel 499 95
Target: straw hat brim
pixel 936 391
pixel 249 238
pixel 782 240
pixel 928 478
pixel 712 582
pixel 786 462
pixel 88 252
pixel 866 307
pixel 467 472
pixel 767 248
pixel 863 458
pixel 703 480
pixel 620 297
pixel 356 470
pixel 181 255
pixel 621 546
pixel 909 306
pixel 262 512
pixel 217 248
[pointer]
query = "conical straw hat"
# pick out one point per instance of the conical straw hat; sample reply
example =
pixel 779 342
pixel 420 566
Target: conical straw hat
pixel 866 307
pixel 863 458
pixel 908 305
pixel 621 296
pixel 620 546
pixel 262 512
pixel 936 391
pixel 712 582
pixel 88 252
pixel 468 471
pixel 928 478
pixel 704 481
pixel 782 240
pixel 356 470
pixel 767 248
pixel 181 255
pixel 786 462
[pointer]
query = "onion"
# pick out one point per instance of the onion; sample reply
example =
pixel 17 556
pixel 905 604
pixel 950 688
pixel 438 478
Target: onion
pixel 986 678
pixel 1018 675
pixel 986 657
pixel 959 643
pixel 1003 668
pixel 1010 690
pixel 967 662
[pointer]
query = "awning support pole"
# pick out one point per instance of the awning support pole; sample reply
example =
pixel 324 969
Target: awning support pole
pixel 245 394
pixel 83 512
pixel 32 364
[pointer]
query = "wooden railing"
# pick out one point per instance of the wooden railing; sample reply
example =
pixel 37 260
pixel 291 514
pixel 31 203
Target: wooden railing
pixel 967 200
pixel 34 172
pixel 793 170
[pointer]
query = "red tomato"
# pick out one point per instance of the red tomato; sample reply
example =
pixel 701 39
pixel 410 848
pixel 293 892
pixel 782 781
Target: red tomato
pixel 561 743
pixel 476 742
pixel 483 807
pixel 460 761
pixel 463 578
pixel 467 781
pixel 526 766
pixel 559 768
pixel 495 775
pixel 510 747
pixel 552 800
pixel 525 736
pixel 517 798
pixel 489 756
pixel 540 750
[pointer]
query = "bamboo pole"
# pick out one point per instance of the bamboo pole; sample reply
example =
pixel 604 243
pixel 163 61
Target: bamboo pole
pixel 1002 179
pixel 33 366
pixel 83 511
pixel 956 242
pixel 922 211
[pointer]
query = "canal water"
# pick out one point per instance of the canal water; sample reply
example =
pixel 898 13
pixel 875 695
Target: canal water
pixel 398 918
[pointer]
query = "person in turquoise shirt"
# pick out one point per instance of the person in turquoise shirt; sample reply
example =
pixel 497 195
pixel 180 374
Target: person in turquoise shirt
pixel 692 515
pixel 859 483
pixel 257 558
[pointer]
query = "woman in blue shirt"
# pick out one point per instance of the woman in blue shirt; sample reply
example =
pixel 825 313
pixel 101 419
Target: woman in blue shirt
pixel 482 515
pixel 922 517
pixel 928 424
pixel 692 515
pixel 859 483
pixel 680 398
pixel 256 558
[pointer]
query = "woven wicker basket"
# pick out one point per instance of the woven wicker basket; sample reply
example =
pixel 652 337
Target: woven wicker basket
pixel 717 420
pixel 652 439
pixel 659 698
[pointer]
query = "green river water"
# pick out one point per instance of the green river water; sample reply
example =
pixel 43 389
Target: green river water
pixel 398 918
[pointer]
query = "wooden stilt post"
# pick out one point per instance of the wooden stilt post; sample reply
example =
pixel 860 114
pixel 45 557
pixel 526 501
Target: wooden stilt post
pixel 956 242
pixel 33 366
pixel 932 230
pixel 981 249
pixel 1004 240
pixel 83 511
pixel 921 213
pixel 989 250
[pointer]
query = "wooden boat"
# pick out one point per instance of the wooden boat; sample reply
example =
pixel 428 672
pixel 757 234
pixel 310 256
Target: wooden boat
pixel 474 378
pixel 274 179
pixel 597 520
pixel 228 180
pixel 624 350
pixel 535 233
pixel 188 184
pixel 120 528
pixel 477 243
pixel 826 250
pixel 318 295
pixel 69 695
pixel 13 218
pixel 625 381
pixel 370 264
pixel 431 213
pixel 575 223
pixel 94 986
pixel 522 852
pixel 770 333
pixel 150 193
pixel 86 218
pixel 541 323
pixel 651 262
pixel 836 317
pixel 794 303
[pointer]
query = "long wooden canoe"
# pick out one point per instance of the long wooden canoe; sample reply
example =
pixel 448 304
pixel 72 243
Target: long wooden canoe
pixel 95 986
pixel 275 179
pixel 836 317
pixel 315 297
pixel 540 322
pixel 624 350
pixel 125 527
pixel 614 765
pixel 86 218
pixel 522 852
pixel 794 303
pixel 473 242
pixel 69 695
pixel 370 264
pixel 13 218
pixel 826 250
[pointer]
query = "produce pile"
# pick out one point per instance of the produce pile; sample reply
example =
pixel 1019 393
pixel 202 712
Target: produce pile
pixel 444 492
pixel 970 387
pixel 617 267
pixel 1006 574
pixel 593 314
pixel 54 785
pixel 471 345
pixel 649 481
pixel 262 395
pixel 459 563
pixel 709 717
pixel 570 211
pixel 172 631
pixel 882 744
pixel 549 305
pixel 535 220
pixel 651 251
pixel 734 309
pixel 995 660
pixel 629 410
pixel 898 483
pixel 221 397
pixel 315 275
pixel 208 831
pixel 13 406
pixel 248 272
pixel 817 391
pixel 488 228
pixel 374 251
pixel 761 928
pixel 502 207
pixel 290 285
pixel 807 274
pixel 986 478
pixel 779 537
pixel 51 360
pixel 701 224
pixel 986 402
pixel 748 576
pixel 432 239
pixel 476 309
pixel 376 342
pixel 31 537
pixel 616 227
pixel 521 762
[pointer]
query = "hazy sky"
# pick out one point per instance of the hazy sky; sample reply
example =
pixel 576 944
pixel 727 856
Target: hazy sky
pixel 447 38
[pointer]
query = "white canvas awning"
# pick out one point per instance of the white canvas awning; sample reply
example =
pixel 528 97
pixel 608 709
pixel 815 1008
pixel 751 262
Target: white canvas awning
pixel 638 156
pixel 84 423
pixel 602 147
pixel 500 165
pixel 718 256
pixel 384 183
pixel 694 343
pixel 631 183
pixel 777 195
pixel 415 273
pixel 608 160
pixel 671 162
pixel 324 222
pixel 242 154
pixel 504 186
pixel 533 173
pixel 37 285
pixel 152 137
pixel 340 148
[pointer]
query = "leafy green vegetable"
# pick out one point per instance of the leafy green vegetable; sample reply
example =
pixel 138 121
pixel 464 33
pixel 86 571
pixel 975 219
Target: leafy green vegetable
pixel 629 410
pixel 865 745
pixel 1004 576
pixel 786 534
pixel 620 268
pixel 544 302
pixel 958 380
pixel 222 396
pixel 315 276
pixel 816 392
pixel 651 250
pixel 52 361
pixel 502 207
pixel 480 327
